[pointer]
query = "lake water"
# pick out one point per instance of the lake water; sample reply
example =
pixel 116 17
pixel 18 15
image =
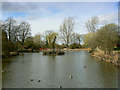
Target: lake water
pixel 54 71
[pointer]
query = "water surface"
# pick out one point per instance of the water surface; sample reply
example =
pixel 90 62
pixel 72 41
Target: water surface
pixel 54 71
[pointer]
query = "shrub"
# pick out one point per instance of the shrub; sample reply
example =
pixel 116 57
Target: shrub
pixel 53 52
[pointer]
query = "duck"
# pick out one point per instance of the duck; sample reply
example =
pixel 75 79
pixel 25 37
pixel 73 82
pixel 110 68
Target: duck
pixel 60 86
pixel 70 76
pixel 31 79
pixel 84 66
pixel 38 80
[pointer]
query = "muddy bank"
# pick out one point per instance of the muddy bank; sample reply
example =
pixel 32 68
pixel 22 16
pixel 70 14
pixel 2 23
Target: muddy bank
pixel 114 59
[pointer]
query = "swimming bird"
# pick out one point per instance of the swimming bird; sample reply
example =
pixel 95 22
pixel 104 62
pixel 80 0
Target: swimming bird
pixel 60 86
pixel 38 80
pixel 70 76
pixel 84 66
pixel 31 79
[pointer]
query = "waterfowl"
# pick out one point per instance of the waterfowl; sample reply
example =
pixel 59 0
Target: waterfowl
pixel 60 86
pixel 70 76
pixel 31 79
pixel 38 80
pixel 84 66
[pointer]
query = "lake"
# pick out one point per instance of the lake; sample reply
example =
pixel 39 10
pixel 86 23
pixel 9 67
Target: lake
pixel 54 71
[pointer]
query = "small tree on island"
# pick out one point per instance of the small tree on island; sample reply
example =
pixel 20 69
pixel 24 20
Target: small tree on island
pixel 51 39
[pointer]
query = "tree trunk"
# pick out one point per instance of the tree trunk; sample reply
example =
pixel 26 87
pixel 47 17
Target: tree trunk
pixel 53 43
pixel 9 32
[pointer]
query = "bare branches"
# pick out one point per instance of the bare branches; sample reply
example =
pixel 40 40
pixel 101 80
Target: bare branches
pixel 66 30
pixel 10 27
pixel 92 24
pixel 24 31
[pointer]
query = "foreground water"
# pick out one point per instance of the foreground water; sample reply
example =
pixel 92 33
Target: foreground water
pixel 54 71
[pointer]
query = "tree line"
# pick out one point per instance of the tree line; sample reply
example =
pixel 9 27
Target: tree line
pixel 104 37
pixel 13 34
pixel 18 36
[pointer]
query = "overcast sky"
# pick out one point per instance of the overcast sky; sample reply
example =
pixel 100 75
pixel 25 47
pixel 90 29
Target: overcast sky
pixel 49 15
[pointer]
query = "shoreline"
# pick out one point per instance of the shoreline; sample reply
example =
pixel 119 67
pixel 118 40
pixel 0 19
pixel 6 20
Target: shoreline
pixel 82 49
pixel 99 55
pixel 16 53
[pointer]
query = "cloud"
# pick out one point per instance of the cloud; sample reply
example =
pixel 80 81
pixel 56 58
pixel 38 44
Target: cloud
pixel 20 19
pixel 61 1
pixel 109 18
pixel 39 25
pixel 41 7
pixel 18 7
pixel 48 16
pixel 43 24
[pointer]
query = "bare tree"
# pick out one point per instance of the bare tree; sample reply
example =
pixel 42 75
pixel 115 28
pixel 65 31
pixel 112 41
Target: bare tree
pixel 66 30
pixel 9 27
pixel 37 39
pixel 92 24
pixel 15 34
pixel 24 31
pixel 78 38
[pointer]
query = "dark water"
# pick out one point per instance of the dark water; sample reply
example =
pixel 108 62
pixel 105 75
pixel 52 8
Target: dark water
pixel 54 71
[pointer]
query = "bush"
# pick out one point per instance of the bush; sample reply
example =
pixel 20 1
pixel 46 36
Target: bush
pixel 53 52
pixel 91 51
pixel 25 50
pixel 75 46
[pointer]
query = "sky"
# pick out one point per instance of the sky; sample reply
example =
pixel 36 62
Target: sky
pixel 50 15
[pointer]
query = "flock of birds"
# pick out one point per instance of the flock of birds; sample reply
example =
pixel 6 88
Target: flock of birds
pixel 58 86
pixel 32 80
pixel 61 86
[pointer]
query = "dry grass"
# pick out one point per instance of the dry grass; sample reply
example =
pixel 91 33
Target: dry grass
pixel 83 49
